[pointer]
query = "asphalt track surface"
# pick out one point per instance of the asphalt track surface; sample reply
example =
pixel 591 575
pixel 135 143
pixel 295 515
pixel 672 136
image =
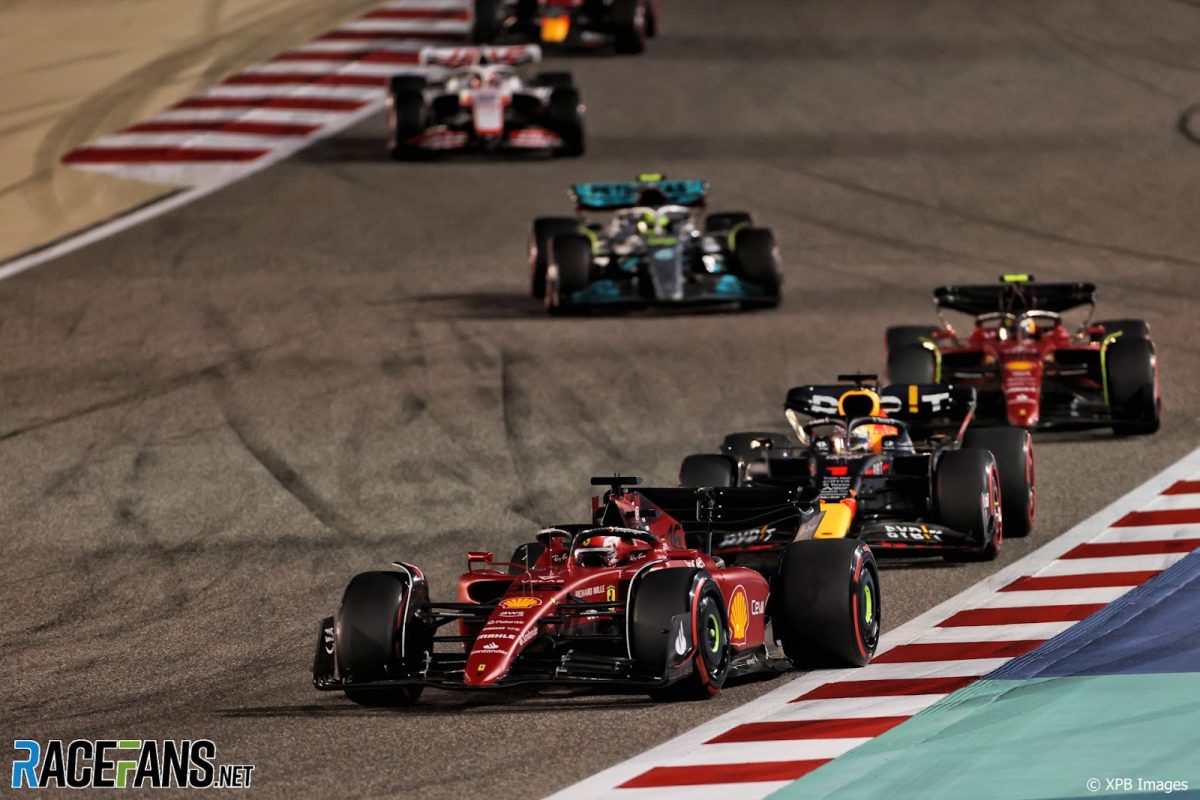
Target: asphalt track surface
pixel 210 422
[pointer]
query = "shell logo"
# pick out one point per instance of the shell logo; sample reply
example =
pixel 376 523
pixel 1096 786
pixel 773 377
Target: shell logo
pixel 739 615
pixel 520 602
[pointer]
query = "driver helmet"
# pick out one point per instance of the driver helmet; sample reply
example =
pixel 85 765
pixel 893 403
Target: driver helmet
pixel 869 438
pixel 600 551
pixel 652 222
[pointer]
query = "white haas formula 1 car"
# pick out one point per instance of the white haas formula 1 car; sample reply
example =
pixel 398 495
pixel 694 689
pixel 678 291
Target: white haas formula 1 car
pixel 476 99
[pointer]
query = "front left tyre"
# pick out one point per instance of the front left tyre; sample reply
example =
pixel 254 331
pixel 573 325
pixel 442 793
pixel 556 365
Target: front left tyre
pixel 368 644
pixel 663 600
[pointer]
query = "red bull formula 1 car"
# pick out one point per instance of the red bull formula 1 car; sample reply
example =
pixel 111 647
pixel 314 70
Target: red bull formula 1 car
pixel 623 24
pixel 894 467
pixel 478 100
pixel 628 600
pixel 1027 367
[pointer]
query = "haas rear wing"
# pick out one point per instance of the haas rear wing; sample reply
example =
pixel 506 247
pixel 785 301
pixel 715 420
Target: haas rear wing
pixel 456 57
pixel 926 409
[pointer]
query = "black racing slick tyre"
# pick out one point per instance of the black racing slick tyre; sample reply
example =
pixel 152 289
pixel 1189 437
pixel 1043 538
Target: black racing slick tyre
pixel 708 470
pixel 489 21
pixel 540 238
pixel 564 118
pixel 1013 451
pixel 368 642
pixel 407 116
pixel 966 492
pixel 727 221
pixel 825 603
pixel 628 26
pixel 693 596
pixel 571 262
pixel 911 363
pixel 1131 375
pixel 899 336
pixel 758 259
pixel 1137 328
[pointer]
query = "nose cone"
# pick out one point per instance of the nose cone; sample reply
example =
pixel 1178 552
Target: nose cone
pixel 485 668
pixel 1022 412
pixel 507 632
pixel 1022 390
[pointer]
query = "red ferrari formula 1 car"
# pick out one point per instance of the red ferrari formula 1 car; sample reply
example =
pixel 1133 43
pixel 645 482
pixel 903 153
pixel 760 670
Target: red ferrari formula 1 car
pixel 1028 369
pixel 623 601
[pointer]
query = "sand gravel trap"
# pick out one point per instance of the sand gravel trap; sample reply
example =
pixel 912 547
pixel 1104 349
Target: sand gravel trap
pixel 75 71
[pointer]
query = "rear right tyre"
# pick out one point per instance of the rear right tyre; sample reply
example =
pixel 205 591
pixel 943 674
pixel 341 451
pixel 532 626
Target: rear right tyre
pixel 758 259
pixel 966 493
pixel 726 221
pixel 1131 373
pixel 564 119
pixel 628 26
pixel 825 603
pixel 1013 451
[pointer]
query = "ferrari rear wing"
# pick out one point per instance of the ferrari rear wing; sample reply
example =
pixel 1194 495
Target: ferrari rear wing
pixel 1015 296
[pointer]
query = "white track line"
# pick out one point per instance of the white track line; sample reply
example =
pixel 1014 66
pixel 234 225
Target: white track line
pixel 833 708
pixel 1056 597
pixel 1087 566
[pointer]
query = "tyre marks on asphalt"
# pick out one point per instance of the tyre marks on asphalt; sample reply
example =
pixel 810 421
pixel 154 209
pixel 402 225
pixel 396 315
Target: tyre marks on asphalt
pixel 761 747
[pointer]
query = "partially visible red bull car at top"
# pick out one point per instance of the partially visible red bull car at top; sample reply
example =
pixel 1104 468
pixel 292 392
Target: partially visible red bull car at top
pixel 483 99
pixel 630 600
pixel 1028 368
pixel 624 25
